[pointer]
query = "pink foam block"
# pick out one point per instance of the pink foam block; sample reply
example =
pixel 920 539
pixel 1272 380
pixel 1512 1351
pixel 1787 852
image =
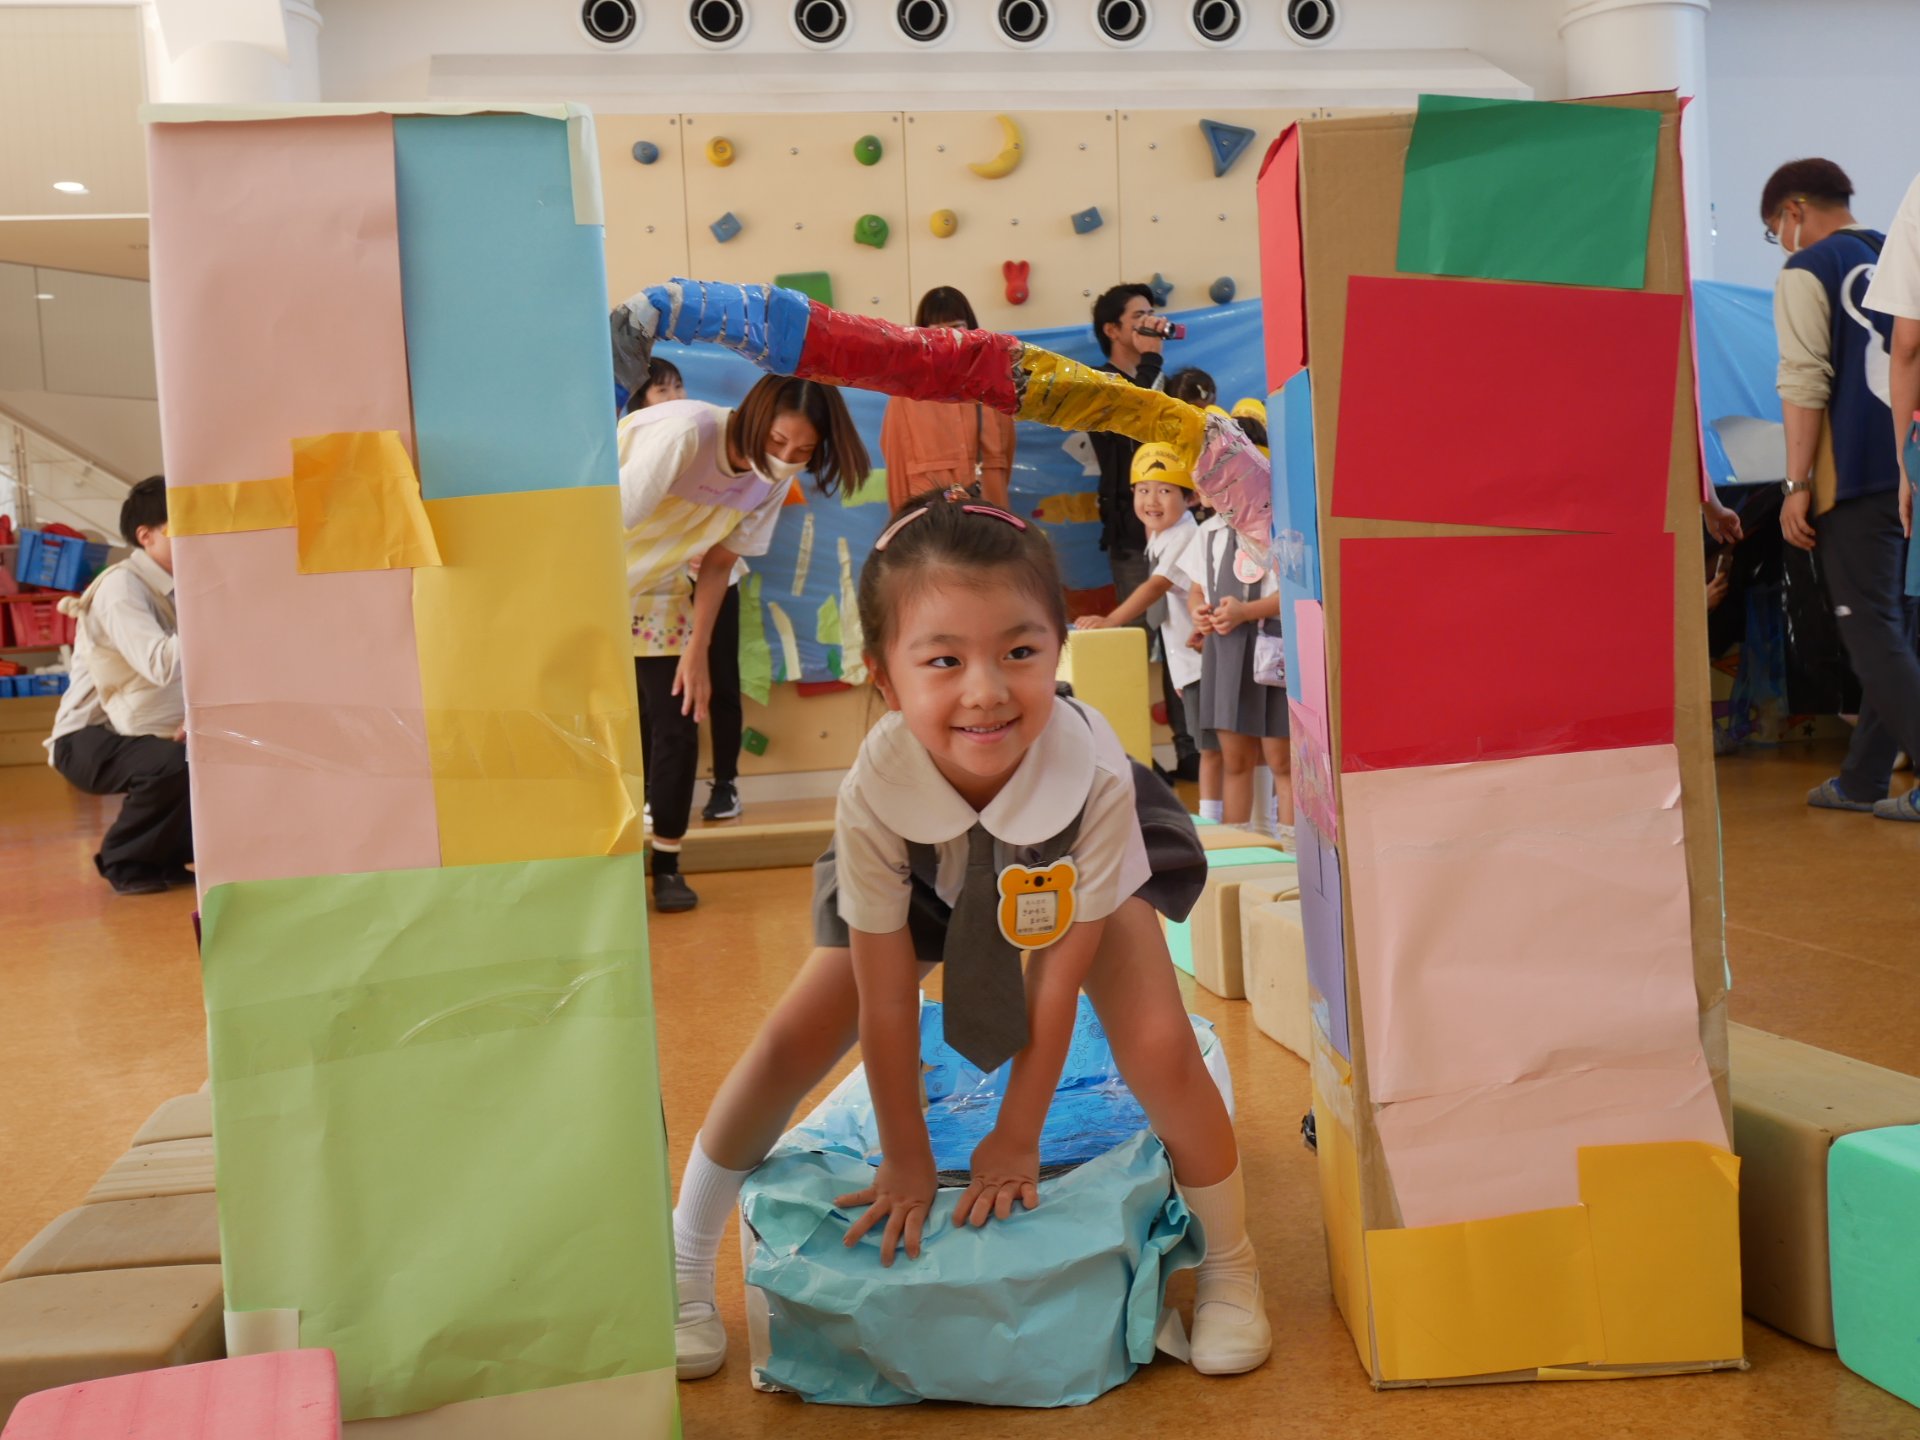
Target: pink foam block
pixel 289 1395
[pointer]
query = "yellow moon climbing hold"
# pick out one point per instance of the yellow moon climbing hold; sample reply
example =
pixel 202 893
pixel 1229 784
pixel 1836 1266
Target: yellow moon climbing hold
pixel 1008 160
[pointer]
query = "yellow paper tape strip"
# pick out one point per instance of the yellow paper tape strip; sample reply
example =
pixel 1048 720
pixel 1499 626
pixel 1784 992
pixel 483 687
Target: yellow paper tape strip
pixel 231 508
pixel 357 499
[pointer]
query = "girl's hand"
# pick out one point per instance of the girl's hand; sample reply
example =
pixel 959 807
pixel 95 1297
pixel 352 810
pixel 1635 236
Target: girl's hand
pixel 1227 613
pixel 1004 1170
pixel 1092 622
pixel 694 684
pixel 1197 641
pixel 902 1195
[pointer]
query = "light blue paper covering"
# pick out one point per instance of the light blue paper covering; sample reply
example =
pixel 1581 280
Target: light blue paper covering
pixel 1053 1307
pixel 489 250
pixel 1296 514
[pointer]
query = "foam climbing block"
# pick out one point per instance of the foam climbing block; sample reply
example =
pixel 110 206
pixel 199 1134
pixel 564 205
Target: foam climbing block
pixel 289 1395
pixel 124 1235
pixel 1273 948
pixel 61 1329
pixel 1108 670
pixel 1215 836
pixel 185 1117
pixel 1791 1102
pixel 166 1167
pixel 1873 1196
pixel 1215 922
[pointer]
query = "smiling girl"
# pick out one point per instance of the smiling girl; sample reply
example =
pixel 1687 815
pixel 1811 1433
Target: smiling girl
pixel 979 786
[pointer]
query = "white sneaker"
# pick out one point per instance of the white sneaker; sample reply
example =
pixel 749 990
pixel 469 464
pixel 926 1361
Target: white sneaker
pixel 1228 1337
pixel 699 1341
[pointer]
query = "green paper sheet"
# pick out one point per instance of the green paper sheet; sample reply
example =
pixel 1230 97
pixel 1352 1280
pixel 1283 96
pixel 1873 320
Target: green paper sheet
pixel 870 491
pixel 756 660
pixel 1529 190
pixel 826 623
pixel 438 1105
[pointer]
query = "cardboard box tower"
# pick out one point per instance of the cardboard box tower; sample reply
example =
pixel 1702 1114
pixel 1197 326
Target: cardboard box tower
pixel 1487 515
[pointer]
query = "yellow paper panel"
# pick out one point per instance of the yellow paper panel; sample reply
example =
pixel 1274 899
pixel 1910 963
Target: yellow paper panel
pixel 1666 1245
pixel 526 670
pixel 230 508
pixel 1339 1166
pixel 1485 1297
pixel 358 504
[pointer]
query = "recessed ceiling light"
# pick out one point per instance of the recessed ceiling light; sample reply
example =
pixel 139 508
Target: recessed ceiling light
pixel 43 296
pixel 69 187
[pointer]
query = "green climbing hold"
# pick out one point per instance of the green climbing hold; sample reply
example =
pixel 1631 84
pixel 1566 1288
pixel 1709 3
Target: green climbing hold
pixel 870 230
pixel 814 284
pixel 868 149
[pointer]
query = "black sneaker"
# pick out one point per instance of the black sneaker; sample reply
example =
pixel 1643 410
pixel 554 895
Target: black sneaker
pixel 136 880
pixel 723 802
pixel 672 894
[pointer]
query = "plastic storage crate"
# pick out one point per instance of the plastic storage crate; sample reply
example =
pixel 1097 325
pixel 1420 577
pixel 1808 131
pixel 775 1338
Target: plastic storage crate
pixel 35 622
pixel 57 562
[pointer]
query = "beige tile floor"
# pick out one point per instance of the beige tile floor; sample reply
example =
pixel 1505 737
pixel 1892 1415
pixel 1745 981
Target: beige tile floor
pixel 100 1021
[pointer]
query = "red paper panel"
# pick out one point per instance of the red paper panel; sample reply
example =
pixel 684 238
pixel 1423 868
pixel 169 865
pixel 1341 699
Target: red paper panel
pixel 1543 407
pixel 1282 281
pixel 1461 649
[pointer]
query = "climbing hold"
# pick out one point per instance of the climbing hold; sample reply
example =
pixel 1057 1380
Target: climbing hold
pixel 868 150
pixel 752 741
pixel 1162 289
pixel 943 223
pixel 1086 221
pixel 645 151
pixel 1016 273
pixel 814 284
pixel 725 228
pixel 720 151
pixel 1221 291
pixel 870 230
pixel 1227 143
pixel 1011 149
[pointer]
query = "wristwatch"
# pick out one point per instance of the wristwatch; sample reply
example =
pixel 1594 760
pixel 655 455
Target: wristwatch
pixel 1795 487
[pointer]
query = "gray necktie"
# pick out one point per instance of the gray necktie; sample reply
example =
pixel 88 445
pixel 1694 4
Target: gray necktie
pixel 986 995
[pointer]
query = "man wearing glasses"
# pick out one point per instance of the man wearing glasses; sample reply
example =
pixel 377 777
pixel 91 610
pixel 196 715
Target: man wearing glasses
pixel 1843 474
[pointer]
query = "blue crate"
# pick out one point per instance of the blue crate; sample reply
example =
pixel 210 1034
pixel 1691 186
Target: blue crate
pixel 57 562
pixel 40 684
pixel 6 687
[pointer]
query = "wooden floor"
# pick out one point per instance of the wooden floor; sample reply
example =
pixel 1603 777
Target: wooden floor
pixel 100 1021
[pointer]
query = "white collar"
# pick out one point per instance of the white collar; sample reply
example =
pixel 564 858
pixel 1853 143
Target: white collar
pixel 150 572
pixel 910 796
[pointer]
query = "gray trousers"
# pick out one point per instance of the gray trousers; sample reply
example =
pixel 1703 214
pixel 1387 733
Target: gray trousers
pixel 1865 558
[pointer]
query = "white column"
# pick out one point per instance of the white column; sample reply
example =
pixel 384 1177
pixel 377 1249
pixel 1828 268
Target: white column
pixel 1615 47
pixel 241 66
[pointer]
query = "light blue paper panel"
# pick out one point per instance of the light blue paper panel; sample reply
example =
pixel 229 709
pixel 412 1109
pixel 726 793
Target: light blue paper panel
pixel 1223 340
pixel 1296 514
pixel 506 308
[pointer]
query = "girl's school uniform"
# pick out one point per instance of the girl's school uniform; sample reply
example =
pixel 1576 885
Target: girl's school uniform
pixel 1230 698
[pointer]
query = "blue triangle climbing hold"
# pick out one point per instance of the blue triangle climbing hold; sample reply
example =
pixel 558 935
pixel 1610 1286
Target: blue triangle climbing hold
pixel 1227 142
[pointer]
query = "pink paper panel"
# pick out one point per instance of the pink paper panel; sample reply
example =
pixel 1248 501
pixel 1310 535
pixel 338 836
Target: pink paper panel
pixel 1541 407
pixel 307 739
pixel 276 290
pixel 1525 961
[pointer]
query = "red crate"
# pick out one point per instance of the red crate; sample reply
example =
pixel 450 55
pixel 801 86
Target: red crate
pixel 35 621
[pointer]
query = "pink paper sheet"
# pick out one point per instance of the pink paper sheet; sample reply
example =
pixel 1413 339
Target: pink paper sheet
pixel 276 290
pixel 1525 961
pixel 307 740
pixel 1313 785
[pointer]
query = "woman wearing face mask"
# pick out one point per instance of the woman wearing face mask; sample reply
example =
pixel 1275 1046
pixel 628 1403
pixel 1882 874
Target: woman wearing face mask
pixel 699 482
pixel 928 445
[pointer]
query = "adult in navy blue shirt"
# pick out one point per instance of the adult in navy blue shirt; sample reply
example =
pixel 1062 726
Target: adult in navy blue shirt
pixel 1843 473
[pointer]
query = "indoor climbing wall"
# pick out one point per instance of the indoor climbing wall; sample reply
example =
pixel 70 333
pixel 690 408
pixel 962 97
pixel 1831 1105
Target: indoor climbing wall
pixel 1511 889
pixel 1031 213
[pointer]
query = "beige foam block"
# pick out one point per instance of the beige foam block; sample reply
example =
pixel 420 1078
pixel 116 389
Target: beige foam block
pixel 62 1329
pixel 124 1235
pixel 1273 948
pixel 1790 1103
pixel 1232 837
pixel 1108 671
pixel 185 1117
pixel 167 1167
pixel 1217 962
pixel 206 1088
pixel 642 1406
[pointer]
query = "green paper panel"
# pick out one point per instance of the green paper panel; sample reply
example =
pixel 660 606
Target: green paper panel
pixel 1529 190
pixel 441 1142
pixel 756 659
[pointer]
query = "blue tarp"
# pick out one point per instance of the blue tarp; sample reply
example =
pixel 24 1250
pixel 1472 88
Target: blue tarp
pixel 1738 357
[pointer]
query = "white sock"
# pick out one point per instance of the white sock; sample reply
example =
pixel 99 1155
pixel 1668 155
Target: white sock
pixel 1228 1274
pixel 708 1194
pixel 1213 809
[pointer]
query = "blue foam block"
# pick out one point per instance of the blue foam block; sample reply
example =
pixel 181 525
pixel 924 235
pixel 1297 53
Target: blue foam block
pixel 1873 1241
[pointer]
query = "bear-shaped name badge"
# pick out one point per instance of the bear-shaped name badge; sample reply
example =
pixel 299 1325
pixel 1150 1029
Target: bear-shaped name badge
pixel 1036 906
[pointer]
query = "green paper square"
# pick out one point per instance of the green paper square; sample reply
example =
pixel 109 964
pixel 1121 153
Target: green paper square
pixel 437 1100
pixel 1529 190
